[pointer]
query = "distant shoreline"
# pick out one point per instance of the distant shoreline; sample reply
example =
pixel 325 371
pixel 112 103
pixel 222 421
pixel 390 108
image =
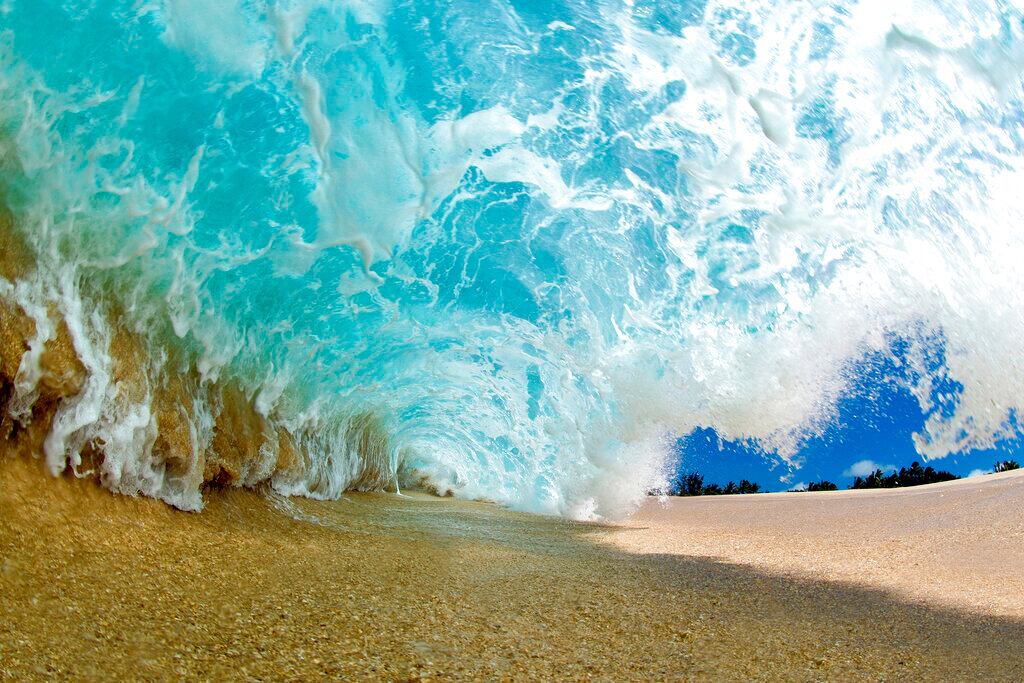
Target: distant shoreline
pixel 953 543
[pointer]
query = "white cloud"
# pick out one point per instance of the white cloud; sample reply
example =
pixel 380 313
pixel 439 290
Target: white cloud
pixel 978 473
pixel 863 468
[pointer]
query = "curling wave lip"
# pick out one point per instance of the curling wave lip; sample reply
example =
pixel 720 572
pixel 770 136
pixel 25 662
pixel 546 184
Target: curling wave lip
pixel 506 252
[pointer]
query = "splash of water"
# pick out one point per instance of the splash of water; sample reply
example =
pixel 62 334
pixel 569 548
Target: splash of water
pixel 502 249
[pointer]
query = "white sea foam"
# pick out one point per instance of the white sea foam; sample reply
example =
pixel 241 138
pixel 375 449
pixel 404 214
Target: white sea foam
pixel 534 250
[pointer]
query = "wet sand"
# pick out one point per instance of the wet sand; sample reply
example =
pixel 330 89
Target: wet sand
pixel 95 586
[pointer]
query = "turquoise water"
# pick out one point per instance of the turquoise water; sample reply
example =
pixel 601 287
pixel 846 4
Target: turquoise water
pixel 536 240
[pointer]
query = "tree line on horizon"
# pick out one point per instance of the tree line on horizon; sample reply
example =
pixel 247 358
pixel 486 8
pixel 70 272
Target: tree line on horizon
pixel 915 475
pixel 692 483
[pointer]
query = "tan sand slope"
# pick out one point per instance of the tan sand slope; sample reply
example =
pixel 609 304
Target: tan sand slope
pixel 957 544
pixel 99 587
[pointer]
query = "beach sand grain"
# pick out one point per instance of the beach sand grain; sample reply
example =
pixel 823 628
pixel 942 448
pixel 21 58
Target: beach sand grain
pixel 95 586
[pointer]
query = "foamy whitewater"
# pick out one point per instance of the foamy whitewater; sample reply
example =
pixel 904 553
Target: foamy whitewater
pixel 507 249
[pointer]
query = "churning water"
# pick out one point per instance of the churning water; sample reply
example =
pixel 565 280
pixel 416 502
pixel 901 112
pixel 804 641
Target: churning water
pixel 502 248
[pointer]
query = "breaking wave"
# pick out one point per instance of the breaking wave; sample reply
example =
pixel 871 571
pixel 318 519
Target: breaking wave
pixel 501 249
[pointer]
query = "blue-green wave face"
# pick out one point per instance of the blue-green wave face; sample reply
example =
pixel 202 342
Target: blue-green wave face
pixel 532 239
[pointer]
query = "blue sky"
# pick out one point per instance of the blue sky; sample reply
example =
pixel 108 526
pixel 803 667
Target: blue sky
pixel 876 422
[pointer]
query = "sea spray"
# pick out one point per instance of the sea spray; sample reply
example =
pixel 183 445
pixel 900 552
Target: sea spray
pixel 506 251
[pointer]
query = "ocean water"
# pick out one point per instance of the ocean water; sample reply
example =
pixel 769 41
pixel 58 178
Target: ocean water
pixel 503 249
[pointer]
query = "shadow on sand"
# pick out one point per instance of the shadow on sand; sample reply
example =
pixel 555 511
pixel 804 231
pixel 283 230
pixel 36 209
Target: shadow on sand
pixel 379 586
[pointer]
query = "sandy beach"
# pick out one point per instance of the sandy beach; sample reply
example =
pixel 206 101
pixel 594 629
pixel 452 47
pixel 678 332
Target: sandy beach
pixel 376 586
pixel 496 266
pixel 956 544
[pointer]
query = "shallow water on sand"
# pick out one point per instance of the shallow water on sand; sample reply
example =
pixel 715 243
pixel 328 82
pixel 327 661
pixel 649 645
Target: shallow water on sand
pixel 379 586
